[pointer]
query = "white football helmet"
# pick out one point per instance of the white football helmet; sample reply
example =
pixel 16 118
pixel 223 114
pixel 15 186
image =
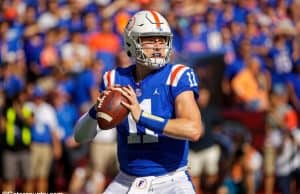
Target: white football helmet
pixel 143 24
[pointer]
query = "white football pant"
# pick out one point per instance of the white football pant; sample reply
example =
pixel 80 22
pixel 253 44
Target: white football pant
pixel 177 182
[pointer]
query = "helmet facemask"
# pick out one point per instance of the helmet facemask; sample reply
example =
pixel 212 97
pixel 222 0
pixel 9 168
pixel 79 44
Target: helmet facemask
pixel 153 62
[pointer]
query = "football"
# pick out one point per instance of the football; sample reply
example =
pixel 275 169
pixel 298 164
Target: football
pixel 110 111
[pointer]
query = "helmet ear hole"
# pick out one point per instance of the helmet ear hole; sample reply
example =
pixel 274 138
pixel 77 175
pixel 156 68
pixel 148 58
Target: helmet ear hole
pixel 129 53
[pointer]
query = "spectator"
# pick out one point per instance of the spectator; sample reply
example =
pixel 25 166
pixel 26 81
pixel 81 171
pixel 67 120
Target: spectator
pixel 295 175
pixel 75 23
pixel 11 82
pixel 2 133
pixel 16 154
pixel 213 35
pixel 252 163
pixel 250 86
pixel 45 139
pixel 227 46
pixel 205 154
pixel 280 54
pixel 93 177
pixel 85 85
pixel 49 56
pixel 105 44
pixel 242 53
pixel 244 173
pixel 66 115
pixel 65 81
pixel 293 84
pixel 11 41
pixel 177 33
pixel 90 22
pixel 194 40
pixel 121 18
pixel 33 46
pixel 75 54
pixel 49 18
pixel 260 43
pixel 278 145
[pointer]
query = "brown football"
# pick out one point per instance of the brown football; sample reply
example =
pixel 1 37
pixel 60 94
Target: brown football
pixel 110 111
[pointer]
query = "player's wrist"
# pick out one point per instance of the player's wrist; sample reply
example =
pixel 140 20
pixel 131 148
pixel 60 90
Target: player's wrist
pixel 137 116
pixel 93 112
pixel 152 122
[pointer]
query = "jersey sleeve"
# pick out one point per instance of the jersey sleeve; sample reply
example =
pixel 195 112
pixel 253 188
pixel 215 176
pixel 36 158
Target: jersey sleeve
pixel 183 78
pixel 102 85
pixel 108 79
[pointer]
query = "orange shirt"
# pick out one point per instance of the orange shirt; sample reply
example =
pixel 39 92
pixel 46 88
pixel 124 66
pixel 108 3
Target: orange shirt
pixel 291 119
pixel 121 20
pixel 104 42
pixel 245 86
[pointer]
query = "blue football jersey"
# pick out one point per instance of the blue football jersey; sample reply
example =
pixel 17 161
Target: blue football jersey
pixel 141 152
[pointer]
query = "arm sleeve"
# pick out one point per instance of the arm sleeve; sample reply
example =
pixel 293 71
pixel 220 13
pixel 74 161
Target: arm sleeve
pixel 85 129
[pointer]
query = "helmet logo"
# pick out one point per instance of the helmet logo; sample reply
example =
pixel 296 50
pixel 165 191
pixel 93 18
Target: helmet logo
pixel 130 23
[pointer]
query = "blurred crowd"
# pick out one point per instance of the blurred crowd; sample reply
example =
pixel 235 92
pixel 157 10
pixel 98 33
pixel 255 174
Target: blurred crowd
pixel 52 56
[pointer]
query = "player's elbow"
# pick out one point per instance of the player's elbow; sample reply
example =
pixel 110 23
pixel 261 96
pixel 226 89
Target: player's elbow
pixel 85 129
pixel 196 132
pixel 77 138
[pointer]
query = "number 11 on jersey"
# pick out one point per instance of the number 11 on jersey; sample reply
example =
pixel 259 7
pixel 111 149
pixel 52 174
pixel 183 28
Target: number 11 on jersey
pixel 134 137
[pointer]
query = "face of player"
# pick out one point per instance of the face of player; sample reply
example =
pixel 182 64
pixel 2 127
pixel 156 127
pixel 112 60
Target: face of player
pixel 154 47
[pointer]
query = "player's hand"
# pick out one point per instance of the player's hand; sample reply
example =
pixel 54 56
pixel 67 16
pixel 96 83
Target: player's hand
pixel 99 98
pixel 133 105
pixel 70 142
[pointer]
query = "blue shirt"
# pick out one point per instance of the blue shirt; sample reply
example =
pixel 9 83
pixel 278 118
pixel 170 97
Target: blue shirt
pixel 12 85
pixel 141 152
pixel 32 48
pixel 13 38
pixel 84 82
pixel 282 64
pixel 66 116
pixel 41 133
pixel 294 79
pixel 232 69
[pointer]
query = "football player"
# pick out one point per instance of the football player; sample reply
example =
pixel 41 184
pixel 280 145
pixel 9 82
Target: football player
pixel 153 139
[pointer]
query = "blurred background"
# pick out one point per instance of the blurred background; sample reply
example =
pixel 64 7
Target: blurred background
pixel 246 54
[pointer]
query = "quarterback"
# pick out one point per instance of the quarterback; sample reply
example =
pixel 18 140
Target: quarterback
pixel 153 139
